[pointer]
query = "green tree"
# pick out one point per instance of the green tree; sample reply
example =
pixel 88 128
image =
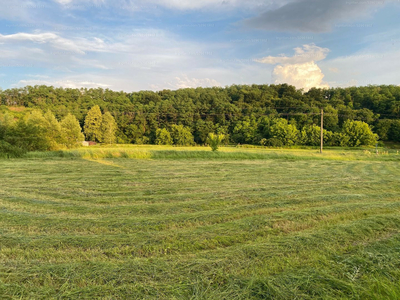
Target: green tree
pixel 181 135
pixel 383 129
pixel 285 132
pixel 136 135
pixel 24 134
pixel 163 137
pixel 6 122
pixel 310 135
pixel 394 132
pixel 359 133
pixel 108 129
pixel 246 131
pixel 53 130
pixel 71 131
pixel 93 121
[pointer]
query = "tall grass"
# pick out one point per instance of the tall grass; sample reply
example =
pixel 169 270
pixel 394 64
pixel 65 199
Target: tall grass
pixel 159 152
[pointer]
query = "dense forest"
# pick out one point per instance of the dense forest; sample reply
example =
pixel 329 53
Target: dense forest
pixel 271 115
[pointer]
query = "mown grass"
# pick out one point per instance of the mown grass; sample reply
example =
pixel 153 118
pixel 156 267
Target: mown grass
pixel 185 223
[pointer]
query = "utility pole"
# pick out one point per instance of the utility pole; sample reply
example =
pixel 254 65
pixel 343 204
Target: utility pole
pixel 322 129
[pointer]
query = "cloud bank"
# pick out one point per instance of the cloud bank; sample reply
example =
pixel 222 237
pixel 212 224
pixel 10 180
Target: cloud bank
pixel 299 70
pixel 173 4
pixel 312 15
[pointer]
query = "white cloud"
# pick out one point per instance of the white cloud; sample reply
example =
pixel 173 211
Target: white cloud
pixel 308 53
pixel 299 70
pixel 19 9
pixel 175 4
pixel 62 83
pixel 306 75
pixel 191 4
pixel 77 45
pixel 129 62
pixel 184 82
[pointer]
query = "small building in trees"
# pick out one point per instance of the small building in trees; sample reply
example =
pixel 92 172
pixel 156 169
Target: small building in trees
pixel 88 143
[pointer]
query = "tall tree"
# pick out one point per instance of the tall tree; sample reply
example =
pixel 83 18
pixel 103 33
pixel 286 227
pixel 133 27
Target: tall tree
pixel 93 122
pixel 53 130
pixel 71 131
pixel 108 129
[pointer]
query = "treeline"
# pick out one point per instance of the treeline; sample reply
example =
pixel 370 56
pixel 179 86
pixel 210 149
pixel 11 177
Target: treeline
pixel 38 131
pixel 275 115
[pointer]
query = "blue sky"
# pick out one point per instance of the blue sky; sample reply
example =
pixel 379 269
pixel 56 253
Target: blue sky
pixel 156 44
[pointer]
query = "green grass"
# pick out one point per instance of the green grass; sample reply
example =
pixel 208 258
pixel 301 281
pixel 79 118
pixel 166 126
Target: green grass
pixel 225 153
pixel 185 223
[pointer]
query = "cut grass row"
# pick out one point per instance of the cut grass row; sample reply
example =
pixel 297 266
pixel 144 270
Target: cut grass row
pixel 193 228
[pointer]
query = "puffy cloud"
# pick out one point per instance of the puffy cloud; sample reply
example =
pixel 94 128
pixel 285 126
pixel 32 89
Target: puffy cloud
pixel 306 75
pixel 299 70
pixel 312 15
pixel 308 53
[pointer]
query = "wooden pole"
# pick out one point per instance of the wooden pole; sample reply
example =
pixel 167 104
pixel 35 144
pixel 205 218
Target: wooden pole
pixel 322 130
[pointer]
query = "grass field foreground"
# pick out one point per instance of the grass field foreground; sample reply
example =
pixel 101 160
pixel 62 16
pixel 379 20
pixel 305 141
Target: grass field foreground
pixel 161 223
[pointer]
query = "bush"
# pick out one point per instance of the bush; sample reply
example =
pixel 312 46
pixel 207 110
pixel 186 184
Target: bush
pixel 9 151
pixel 28 136
pixel 214 140
pixel 359 133
pixel 181 135
pixel 285 132
pixel 274 142
pixel 310 135
pixel 339 139
pixel 163 137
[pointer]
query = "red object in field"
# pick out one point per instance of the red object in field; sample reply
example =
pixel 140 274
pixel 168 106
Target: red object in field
pixel 87 143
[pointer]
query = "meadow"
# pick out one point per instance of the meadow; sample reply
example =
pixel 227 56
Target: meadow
pixel 146 222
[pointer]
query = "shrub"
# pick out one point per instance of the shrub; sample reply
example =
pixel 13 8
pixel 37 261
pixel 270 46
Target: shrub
pixel 163 137
pixel 285 132
pixel 359 133
pixel 181 135
pixel 9 151
pixel 274 142
pixel 214 140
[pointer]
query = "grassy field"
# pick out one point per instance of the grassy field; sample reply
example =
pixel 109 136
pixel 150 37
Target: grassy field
pixel 185 223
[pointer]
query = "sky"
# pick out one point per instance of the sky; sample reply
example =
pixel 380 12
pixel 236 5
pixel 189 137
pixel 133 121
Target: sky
pixel 132 45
